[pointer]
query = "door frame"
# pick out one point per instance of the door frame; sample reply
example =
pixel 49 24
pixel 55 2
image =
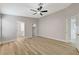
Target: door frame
pixel 19 22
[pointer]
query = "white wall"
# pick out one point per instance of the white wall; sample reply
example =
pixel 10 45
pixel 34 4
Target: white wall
pixel 54 25
pixel 9 27
pixel 9 24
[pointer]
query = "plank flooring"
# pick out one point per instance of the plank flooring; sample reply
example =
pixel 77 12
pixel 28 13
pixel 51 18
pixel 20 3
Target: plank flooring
pixel 37 46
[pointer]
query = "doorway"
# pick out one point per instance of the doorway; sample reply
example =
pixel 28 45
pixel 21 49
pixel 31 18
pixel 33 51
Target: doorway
pixel 71 30
pixel 20 29
pixel 34 31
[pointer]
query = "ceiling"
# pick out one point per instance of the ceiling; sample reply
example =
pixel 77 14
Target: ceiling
pixel 23 9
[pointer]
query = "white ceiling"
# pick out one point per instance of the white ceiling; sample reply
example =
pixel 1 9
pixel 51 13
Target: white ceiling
pixel 23 9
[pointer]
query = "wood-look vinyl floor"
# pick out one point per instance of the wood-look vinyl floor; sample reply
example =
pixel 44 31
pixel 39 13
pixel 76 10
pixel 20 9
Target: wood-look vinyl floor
pixel 37 46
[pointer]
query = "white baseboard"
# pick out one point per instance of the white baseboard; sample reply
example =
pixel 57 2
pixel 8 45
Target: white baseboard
pixel 7 41
pixel 55 39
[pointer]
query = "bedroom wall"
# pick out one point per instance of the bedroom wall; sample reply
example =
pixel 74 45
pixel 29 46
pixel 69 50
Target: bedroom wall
pixel 54 25
pixel 9 24
pixel 8 27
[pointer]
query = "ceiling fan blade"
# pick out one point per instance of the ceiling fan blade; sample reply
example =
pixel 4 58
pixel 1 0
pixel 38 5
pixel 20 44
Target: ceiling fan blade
pixel 41 14
pixel 34 13
pixel 40 8
pixel 33 10
pixel 45 11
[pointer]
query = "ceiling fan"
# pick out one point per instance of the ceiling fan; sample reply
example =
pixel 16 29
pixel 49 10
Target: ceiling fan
pixel 39 10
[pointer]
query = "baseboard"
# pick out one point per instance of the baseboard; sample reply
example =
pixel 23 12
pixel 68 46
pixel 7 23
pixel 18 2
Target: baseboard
pixel 4 42
pixel 55 39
